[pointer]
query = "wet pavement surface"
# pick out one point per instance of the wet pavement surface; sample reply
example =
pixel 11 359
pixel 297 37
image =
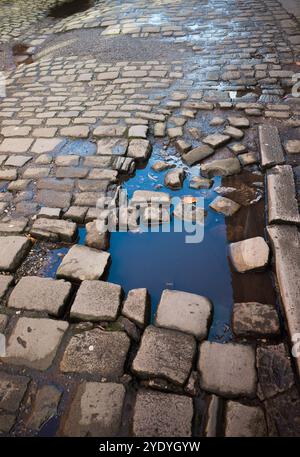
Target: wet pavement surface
pixel 182 98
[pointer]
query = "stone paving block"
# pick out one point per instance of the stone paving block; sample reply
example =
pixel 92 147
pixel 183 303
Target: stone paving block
pixel 13 226
pixel 5 282
pixel 166 354
pixel 45 145
pixel 8 175
pixel 44 407
pixel 250 254
pixel 109 131
pixel 270 146
pixel 17 161
pixel 224 206
pixel 40 294
pixel 13 250
pixel 54 229
pixel 283 413
pixel 222 167
pixel 112 146
pixel 78 131
pixel 158 414
pixel 81 263
pixel 76 214
pixel 197 154
pixel 174 178
pixel 54 199
pixel 96 410
pixel 136 307
pixel 216 140
pixel 244 421
pixel 33 342
pixel 138 131
pixel 139 149
pixel 186 312
pixel 16 145
pixel 97 301
pixel 227 369
pixel 274 369
pixel 292 146
pixel 49 213
pixel 282 200
pixel 255 319
pixel 96 352
pixel 12 391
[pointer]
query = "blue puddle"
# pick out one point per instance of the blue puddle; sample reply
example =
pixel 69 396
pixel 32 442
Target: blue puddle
pixel 161 261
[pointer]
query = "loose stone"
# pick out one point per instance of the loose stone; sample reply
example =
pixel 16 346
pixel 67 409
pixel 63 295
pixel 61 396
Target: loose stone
pixel 222 167
pixel 197 154
pixel 82 263
pixel 244 421
pixel 225 206
pixel 137 306
pixel 255 319
pixel 13 250
pixel 250 254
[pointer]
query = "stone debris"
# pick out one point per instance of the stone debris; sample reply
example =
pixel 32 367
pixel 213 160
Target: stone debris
pixel 13 250
pixel 40 294
pixel 97 301
pixel 162 415
pixel 216 140
pixel 161 166
pixel 33 342
pixel 96 352
pixel 188 313
pixel 96 410
pixel 198 154
pixel 165 354
pixel 96 237
pixel 239 122
pixel 233 132
pixel 137 306
pixel 250 254
pixel 244 421
pixel 227 369
pixel 224 206
pixel 200 183
pixel 81 263
pixel 174 178
pixel 255 319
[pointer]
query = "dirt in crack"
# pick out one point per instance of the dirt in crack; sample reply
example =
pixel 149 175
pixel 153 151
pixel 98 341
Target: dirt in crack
pixel 69 8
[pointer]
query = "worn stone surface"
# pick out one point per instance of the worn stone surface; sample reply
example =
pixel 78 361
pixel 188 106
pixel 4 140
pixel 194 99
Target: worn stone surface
pixel 44 407
pixel 5 282
pixel 96 410
pixel 283 413
pixel 96 352
pixel 137 306
pixel 40 294
pixel 189 313
pixel 212 415
pixel 97 301
pixel 54 229
pixel 275 374
pixel 139 149
pixel 197 182
pixel 244 421
pixel 33 342
pixel 13 250
pixel 95 237
pixel 12 390
pixel 82 263
pixel 270 146
pixel 222 167
pixel 227 369
pixel 148 196
pixel 282 201
pixel 158 414
pixel 225 206
pixel 255 319
pixel 216 140
pixel 197 154
pixel 250 254
pixel 292 146
pixel 174 178
pixel 166 354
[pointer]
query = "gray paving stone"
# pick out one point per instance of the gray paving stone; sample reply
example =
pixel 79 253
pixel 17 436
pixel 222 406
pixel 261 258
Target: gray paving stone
pixel 12 391
pixel 5 282
pixel 49 213
pixel 158 414
pixel 45 145
pixel 76 214
pixel 274 369
pixel 16 145
pixel 255 319
pixel 174 178
pixel 13 250
pixel 44 407
pixel 33 342
pixel 139 149
pixel 227 369
pixel 96 410
pixel 81 263
pixel 225 206
pixel 137 306
pixel 197 154
pixel 96 352
pixel 186 312
pixel 216 140
pixel 14 226
pixel 97 301
pixel 17 161
pixel 233 132
pixel 54 229
pixel 54 199
pixel 166 354
pixel 282 201
pixel 270 146
pixel 138 131
pixel 244 421
pixel 285 243
pixel 40 294
pixel 283 413
pixel 8 175
pixel 250 254
pixel 222 167
pixel 292 146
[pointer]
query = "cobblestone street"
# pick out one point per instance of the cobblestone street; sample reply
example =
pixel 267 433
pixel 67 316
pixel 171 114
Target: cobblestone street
pixel 142 334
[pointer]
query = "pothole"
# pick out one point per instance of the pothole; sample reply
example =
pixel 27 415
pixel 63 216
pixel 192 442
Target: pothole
pixel 69 8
